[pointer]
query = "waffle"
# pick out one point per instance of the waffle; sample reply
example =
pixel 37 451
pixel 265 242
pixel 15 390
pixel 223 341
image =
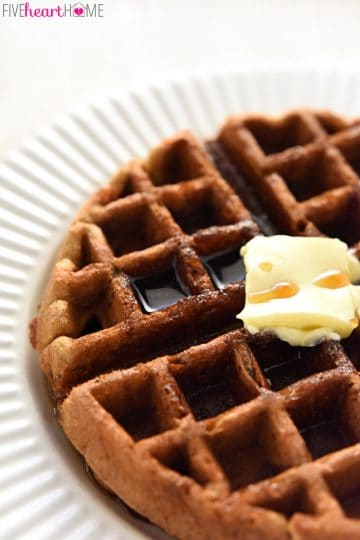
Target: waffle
pixel 304 169
pixel 204 429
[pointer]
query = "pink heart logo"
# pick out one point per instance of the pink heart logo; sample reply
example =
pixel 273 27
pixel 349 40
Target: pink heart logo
pixel 78 11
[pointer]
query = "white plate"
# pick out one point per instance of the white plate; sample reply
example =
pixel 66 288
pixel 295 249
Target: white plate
pixel 44 489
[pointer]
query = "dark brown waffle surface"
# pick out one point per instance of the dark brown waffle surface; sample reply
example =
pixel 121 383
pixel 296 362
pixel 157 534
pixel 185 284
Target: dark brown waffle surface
pixel 207 431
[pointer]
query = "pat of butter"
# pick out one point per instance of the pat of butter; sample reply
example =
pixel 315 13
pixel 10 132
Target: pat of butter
pixel 300 288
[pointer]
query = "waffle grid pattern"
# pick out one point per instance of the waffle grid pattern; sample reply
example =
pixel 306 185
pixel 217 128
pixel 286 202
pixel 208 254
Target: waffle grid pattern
pixel 284 451
pixel 271 448
pixel 304 167
pixel 130 234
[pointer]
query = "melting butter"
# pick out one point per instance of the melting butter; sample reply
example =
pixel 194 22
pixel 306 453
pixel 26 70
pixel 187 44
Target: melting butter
pixel 354 322
pixel 300 288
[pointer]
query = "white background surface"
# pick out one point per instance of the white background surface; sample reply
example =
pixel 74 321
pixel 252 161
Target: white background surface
pixel 48 65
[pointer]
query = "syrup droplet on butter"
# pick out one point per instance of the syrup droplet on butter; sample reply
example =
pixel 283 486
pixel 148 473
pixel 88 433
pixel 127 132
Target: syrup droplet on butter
pixel 266 266
pixel 333 279
pixel 283 289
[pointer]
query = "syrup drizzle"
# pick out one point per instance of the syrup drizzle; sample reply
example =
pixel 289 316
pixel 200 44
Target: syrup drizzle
pixel 225 267
pixel 283 289
pixel 332 279
pixel 160 289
